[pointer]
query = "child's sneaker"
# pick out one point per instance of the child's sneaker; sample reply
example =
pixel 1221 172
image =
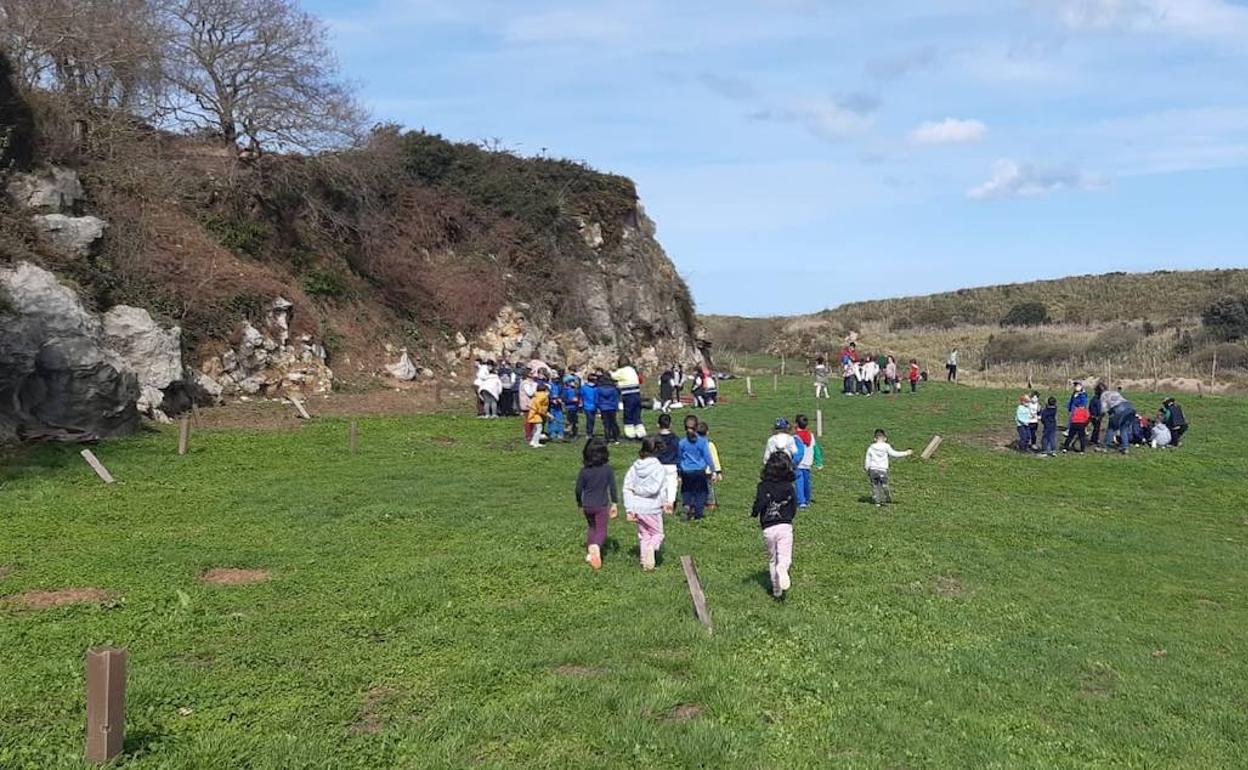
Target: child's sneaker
pixel 595 557
pixel 785 582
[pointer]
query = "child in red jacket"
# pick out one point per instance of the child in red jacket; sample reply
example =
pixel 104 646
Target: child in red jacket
pixel 914 375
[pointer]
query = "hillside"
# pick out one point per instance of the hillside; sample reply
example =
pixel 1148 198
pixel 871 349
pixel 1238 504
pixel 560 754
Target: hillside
pixel 284 273
pixel 1148 325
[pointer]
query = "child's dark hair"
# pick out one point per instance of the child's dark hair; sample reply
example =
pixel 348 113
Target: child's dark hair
pixel 649 447
pixel 542 386
pixel 879 433
pixel 595 453
pixel 691 421
pixel 819 359
pixel 1052 401
pixel 665 421
pixel 778 468
pixel 703 429
pixel 801 421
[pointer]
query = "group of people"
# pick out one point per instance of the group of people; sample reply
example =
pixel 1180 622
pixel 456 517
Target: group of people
pixel 690 463
pixel 1110 416
pixel 552 400
pixel 863 374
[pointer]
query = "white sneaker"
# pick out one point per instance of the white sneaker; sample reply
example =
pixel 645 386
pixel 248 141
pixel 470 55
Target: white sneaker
pixel 785 583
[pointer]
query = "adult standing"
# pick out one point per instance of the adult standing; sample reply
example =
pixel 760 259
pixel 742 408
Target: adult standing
pixel 506 399
pixel 1122 415
pixel 667 390
pixel 629 382
pixel 890 375
pixel 951 366
pixel 678 383
pixel 490 388
pixel 1096 412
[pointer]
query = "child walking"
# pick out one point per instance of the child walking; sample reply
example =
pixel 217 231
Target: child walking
pixel 646 499
pixel 596 497
pixel 695 464
pixel 821 378
pixel 1048 421
pixel 539 407
pixel 775 506
pixel 668 454
pixel 913 375
pixel 878 455
pixel 716 472
pixel 608 405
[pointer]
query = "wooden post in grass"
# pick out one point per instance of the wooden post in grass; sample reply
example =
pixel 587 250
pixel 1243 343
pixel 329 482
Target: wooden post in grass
pixel 303 413
pixel 819 423
pixel 97 466
pixel 749 387
pixel 106 703
pixel 352 434
pixel 775 382
pixel 932 446
pixel 782 362
pixel 184 434
pixel 437 391
pixel 195 413
pixel 696 593
pixel 1213 375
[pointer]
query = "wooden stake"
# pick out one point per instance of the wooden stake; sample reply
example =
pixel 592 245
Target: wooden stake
pixel 97 466
pixel 195 413
pixel 184 434
pixel 303 413
pixel 352 434
pixel 437 391
pixel 782 363
pixel 775 382
pixel 106 703
pixel 1213 375
pixel 696 593
pixel 749 386
pixel 932 446
pixel 819 423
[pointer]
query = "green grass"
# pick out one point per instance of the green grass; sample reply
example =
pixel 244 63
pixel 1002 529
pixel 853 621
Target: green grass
pixel 1007 612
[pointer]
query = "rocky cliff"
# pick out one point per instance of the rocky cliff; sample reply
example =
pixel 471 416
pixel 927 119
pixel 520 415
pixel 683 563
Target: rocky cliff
pixel 182 271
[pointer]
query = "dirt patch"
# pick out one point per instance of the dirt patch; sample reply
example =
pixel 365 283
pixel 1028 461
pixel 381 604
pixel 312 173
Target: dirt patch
pixel 950 586
pixel 1100 682
pixel 445 440
pixel 5 572
pixel 230 576
pixel 999 439
pixel 369 719
pixel 1159 653
pixel 574 670
pixel 683 712
pixel 1208 604
pixel 44 600
pixel 410 398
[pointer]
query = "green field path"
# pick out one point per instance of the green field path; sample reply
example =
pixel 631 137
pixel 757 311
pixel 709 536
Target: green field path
pixel 429 605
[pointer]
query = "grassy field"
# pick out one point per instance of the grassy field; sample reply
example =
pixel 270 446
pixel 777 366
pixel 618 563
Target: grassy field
pixel 429 606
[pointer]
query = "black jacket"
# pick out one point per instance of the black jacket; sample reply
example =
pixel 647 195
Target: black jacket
pixel 775 502
pixel 669 451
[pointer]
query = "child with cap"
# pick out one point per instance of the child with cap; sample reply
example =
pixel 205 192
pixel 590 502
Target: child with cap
pixel 876 465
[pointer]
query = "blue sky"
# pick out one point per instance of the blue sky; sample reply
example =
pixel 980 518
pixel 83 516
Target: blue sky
pixel 797 154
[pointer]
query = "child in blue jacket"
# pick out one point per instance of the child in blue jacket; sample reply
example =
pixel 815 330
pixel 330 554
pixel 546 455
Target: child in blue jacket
pixel 608 405
pixel 589 404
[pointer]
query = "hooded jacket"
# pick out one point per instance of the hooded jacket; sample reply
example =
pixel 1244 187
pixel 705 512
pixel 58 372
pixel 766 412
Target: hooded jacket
pixel 492 384
pixel 608 397
pixel 644 485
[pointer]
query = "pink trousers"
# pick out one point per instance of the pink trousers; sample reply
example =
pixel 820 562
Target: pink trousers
pixel 779 540
pixel 650 537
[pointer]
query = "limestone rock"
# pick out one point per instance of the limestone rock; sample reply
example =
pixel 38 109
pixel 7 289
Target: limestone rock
pixel 58 378
pixel 49 190
pixel 404 370
pixel 152 353
pixel 71 236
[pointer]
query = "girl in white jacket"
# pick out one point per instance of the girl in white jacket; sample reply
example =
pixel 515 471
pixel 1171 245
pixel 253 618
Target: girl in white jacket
pixel 645 500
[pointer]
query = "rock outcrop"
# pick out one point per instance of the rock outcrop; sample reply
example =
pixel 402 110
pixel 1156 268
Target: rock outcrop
pixel 55 195
pixel 266 362
pixel 152 353
pixel 629 302
pixel 58 377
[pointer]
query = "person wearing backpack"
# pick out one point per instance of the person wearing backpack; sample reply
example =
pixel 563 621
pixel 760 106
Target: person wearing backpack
pixel 1096 412
pixel 775 506
pixel 1080 416
pixel 1172 416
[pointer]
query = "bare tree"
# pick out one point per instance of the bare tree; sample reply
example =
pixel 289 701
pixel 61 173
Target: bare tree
pixel 96 53
pixel 259 71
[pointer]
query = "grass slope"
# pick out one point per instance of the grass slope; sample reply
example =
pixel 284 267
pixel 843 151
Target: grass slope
pixel 429 606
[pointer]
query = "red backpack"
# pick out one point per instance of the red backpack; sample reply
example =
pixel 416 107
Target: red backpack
pixel 1081 416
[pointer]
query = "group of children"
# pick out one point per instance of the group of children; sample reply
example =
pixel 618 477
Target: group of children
pixel 1110 415
pixel 692 462
pixel 866 374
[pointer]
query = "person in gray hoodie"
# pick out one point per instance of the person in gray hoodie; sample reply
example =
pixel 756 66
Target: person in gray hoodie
pixel 1122 415
pixel 646 499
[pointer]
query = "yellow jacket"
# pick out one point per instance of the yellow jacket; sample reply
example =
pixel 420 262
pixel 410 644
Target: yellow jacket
pixel 539 405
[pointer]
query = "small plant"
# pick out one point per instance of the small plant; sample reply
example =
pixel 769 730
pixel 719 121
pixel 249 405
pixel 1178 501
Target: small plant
pixel 327 284
pixel 1227 318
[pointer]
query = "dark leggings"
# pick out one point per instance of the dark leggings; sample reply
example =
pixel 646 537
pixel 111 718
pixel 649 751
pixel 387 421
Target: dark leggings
pixel 573 414
pixel 596 526
pixel 1079 432
pixel 610 427
pixel 1097 422
pixel 694 491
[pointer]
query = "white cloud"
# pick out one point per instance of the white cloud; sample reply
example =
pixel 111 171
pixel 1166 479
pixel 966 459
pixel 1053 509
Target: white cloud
pixel 1011 179
pixel 948 131
pixel 830 119
pixel 1194 18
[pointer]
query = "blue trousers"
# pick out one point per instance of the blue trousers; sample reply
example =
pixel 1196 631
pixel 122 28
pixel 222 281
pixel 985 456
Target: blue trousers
pixel 802 486
pixel 693 491
pixel 590 416
pixel 1049 442
pixel 1024 437
pixel 632 408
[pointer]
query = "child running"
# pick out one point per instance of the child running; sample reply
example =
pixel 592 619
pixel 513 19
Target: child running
pixel 878 455
pixel 716 472
pixel 807 439
pixel 775 506
pixel 539 406
pixel 596 496
pixel 913 375
pixel 646 500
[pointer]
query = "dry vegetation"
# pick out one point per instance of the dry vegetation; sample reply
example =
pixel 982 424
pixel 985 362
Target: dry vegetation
pixel 1147 327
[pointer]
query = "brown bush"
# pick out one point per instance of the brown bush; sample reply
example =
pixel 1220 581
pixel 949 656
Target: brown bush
pixel 1230 356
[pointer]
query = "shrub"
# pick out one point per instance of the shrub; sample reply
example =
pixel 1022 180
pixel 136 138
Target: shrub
pixel 1026 314
pixel 1115 340
pixel 1230 356
pixel 1018 347
pixel 900 324
pixel 1227 318
pixel 324 283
